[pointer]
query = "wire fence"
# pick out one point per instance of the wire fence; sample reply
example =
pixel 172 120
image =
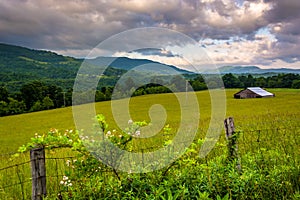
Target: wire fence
pixel 16 179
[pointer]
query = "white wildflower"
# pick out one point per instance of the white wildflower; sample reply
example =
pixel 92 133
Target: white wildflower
pixel 65 178
pixel 130 121
pixel 61 182
pixel 68 162
pixel 138 133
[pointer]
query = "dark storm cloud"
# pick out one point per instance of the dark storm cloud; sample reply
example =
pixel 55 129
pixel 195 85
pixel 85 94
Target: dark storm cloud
pixel 284 10
pixel 285 16
pixel 74 26
pixel 54 24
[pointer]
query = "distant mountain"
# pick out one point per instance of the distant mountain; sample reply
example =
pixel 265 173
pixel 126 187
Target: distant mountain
pixel 20 65
pixel 255 70
pixel 142 65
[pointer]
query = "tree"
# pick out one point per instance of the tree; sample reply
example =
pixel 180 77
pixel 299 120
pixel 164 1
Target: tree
pixel 47 103
pixel 272 83
pixel 15 107
pixel 3 94
pixel 3 108
pixel 287 80
pixel 243 81
pixel 261 82
pixel 37 106
pixel 140 91
pixel 200 79
pixel 99 96
pixel 68 97
pixel 250 81
pixel 296 84
pixel 56 95
pixel 230 81
pixel 108 92
pixel 33 92
pixel 197 85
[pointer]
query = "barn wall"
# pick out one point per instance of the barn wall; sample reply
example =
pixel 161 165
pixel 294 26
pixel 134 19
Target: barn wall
pixel 246 94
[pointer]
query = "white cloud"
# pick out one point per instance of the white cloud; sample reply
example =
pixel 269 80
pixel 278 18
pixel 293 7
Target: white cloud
pixel 242 51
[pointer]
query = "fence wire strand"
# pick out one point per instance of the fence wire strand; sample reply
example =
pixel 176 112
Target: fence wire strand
pixel 259 140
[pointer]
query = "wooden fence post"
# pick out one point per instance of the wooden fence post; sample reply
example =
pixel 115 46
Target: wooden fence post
pixel 38 173
pixel 231 137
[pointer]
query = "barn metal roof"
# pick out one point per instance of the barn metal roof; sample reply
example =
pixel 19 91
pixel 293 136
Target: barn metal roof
pixel 260 91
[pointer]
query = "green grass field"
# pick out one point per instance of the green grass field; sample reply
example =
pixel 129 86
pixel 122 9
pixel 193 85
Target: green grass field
pixel 268 147
pixel 248 113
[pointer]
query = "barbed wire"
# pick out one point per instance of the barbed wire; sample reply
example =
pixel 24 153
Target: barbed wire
pixel 15 165
pixel 27 180
pixel 153 147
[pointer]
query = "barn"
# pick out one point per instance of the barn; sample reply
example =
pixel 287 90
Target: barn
pixel 253 92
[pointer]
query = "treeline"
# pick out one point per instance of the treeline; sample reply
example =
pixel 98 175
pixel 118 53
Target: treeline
pixel 34 96
pixel 37 95
pixel 278 81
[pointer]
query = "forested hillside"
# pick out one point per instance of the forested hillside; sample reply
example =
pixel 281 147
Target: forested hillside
pixel 19 66
pixel 34 80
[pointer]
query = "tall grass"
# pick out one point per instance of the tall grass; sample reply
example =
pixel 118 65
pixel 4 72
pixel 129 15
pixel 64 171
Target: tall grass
pixel 268 147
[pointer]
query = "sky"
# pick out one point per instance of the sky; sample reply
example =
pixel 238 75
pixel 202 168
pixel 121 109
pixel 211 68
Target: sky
pixel 264 33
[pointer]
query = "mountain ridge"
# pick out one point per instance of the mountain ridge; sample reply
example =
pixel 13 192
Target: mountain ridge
pixel 255 70
pixel 126 63
pixel 20 65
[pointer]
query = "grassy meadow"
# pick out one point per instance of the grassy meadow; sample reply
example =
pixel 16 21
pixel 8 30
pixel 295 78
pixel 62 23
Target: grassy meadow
pixel 270 130
pixel 248 113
